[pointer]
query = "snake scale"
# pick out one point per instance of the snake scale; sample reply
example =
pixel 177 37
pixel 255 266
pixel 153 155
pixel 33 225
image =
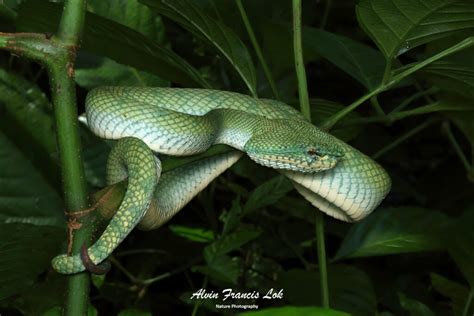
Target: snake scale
pixel 335 177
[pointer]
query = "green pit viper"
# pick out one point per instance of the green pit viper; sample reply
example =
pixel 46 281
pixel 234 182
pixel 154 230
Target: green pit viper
pixel 335 177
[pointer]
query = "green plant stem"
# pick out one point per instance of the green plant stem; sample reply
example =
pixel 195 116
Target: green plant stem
pixel 403 138
pixel 468 303
pixel 72 22
pixel 327 9
pixel 305 109
pixel 257 49
pixel 457 148
pixel 330 122
pixel 299 63
pixel 412 98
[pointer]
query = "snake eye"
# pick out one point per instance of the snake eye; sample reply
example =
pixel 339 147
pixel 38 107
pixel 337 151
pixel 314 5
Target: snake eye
pixel 312 152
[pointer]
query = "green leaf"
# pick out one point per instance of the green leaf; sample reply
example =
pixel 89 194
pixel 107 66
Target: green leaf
pixel 457 292
pixel 440 106
pixel 460 247
pixel 194 19
pixel 27 120
pixel 130 13
pixel 395 231
pixel 26 252
pixel 268 193
pixel 115 41
pixel 134 312
pixel 295 311
pixel 350 289
pixel 92 72
pixel 25 196
pixel 222 268
pixel 364 64
pixel 229 243
pixel 197 234
pixel 414 307
pixel 397 26
pixel 231 218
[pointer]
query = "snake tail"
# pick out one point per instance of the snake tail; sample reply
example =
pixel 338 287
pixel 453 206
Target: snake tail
pixel 133 158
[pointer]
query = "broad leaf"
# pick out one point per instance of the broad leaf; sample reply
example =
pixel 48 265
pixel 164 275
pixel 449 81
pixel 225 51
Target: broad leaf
pixel 397 26
pixel 92 72
pixel 26 252
pixel 364 64
pixel 192 17
pixel 295 311
pixel 268 193
pixel 454 74
pixel 25 196
pixel 130 13
pixel 394 231
pixel 350 289
pixel 222 268
pixel 229 243
pixel 460 248
pixel 113 40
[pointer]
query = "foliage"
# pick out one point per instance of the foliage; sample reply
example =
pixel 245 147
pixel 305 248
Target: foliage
pixel 399 62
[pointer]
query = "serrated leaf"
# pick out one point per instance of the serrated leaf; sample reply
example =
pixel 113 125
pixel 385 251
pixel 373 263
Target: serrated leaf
pixel 295 311
pixel 395 231
pixel 228 243
pixel 267 193
pixel 197 234
pixel 26 252
pixel 196 20
pixel 397 26
pixel 350 289
pixel 110 39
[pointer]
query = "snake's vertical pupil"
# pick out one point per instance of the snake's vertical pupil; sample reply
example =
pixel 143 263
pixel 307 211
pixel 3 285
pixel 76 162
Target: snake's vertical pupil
pixel 312 152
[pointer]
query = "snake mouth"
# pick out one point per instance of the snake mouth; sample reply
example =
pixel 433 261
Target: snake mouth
pixel 299 165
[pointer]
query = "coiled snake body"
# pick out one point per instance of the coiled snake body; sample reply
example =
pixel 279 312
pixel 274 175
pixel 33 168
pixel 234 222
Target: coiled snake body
pixel 333 176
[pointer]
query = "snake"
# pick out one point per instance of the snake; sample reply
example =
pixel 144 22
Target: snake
pixel 149 122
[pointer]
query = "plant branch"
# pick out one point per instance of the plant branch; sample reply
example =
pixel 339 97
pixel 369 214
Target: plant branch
pixel 330 122
pixel 257 49
pixel 58 55
pixel 305 109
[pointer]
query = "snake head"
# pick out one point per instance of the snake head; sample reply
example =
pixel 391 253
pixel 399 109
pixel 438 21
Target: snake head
pixel 293 145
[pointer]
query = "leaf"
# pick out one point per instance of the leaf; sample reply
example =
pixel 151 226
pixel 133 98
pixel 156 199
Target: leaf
pixel 130 13
pixel 295 311
pixel 415 308
pixel 197 234
pixel 229 243
pixel 113 40
pixel 397 26
pixel 222 268
pixel 267 193
pixel 92 72
pixel 457 292
pixel 364 64
pixel 439 106
pixel 134 312
pixel 25 196
pixel 454 74
pixel 322 109
pixel 231 218
pixel 350 289
pixel 395 231
pixel 460 248
pixel 197 21
pixel 27 120
pixel 26 252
